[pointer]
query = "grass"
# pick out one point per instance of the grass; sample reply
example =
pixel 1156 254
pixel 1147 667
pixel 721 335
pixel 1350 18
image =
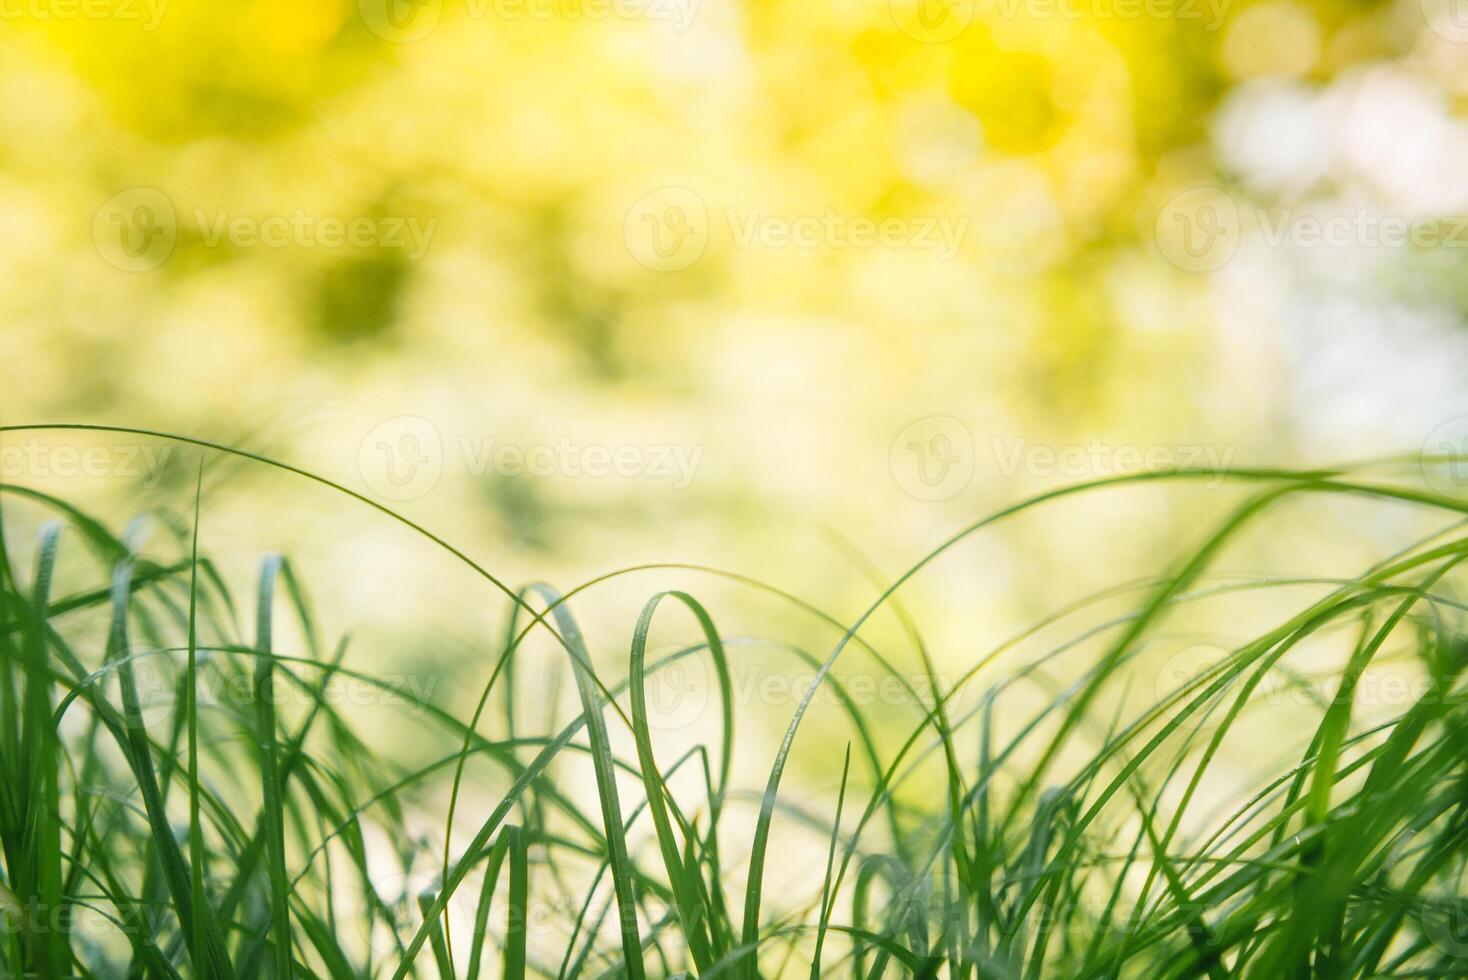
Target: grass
pixel 147 830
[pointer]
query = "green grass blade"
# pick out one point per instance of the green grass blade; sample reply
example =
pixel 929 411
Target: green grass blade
pixel 519 912
pixel 692 913
pixel 213 960
pixel 273 807
pixel 606 782
pixel 191 708
pixel 827 898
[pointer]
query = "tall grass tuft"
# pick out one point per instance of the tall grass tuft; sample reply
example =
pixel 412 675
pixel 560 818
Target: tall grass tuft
pixel 181 797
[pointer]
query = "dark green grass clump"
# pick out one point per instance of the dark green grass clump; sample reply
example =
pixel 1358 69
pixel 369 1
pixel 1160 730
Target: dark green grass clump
pixel 182 793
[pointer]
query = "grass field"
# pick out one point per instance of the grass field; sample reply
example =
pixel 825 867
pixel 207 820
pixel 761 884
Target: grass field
pixel 183 793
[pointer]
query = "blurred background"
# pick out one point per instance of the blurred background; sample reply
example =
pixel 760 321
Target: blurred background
pixel 793 289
